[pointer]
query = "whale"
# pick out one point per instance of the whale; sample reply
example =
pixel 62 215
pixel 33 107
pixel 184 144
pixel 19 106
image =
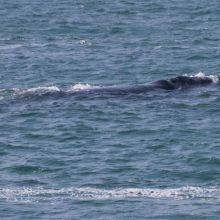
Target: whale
pixel 81 91
pixel 175 83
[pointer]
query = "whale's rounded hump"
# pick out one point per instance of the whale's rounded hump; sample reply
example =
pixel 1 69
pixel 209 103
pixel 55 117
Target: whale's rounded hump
pixel 164 84
pixel 188 81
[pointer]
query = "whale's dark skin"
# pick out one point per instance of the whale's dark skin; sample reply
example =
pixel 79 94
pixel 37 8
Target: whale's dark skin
pixel 172 84
pixel 179 82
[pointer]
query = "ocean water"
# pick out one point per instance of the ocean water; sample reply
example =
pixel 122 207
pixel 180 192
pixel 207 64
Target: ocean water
pixel 68 153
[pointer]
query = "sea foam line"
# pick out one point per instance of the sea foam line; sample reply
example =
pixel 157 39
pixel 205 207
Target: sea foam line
pixel 53 89
pixel 28 194
pixel 39 89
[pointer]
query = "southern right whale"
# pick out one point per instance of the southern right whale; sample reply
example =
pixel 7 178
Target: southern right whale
pixel 85 90
pixel 175 83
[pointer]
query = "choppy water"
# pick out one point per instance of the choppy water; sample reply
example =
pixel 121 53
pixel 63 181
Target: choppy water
pixel 69 155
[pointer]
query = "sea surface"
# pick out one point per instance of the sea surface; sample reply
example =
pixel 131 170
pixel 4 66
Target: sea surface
pixel 67 153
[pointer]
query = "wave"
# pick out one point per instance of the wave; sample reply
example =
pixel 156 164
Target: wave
pixel 176 83
pixel 10 46
pixel 87 193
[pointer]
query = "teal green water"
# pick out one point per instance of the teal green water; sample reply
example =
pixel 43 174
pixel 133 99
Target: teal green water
pixel 66 154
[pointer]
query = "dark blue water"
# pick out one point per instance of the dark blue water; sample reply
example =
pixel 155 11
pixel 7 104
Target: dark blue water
pixel 68 153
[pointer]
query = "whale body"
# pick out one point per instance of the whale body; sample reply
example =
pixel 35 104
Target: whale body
pixel 175 83
pixel 87 91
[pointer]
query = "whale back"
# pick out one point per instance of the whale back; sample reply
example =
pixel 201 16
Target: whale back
pixel 180 82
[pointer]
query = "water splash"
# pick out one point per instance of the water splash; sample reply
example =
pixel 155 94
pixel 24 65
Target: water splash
pixel 39 90
pixel 79 87
pixel 201 75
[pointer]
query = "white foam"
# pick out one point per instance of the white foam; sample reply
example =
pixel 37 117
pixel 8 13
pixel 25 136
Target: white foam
pixel 40 89
pixel 49 88
pixel 201 75
pixel 53 89
pixel 88 193
pixel 214 78
pixel 82 41
pixel 79 87
pixel 85 42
